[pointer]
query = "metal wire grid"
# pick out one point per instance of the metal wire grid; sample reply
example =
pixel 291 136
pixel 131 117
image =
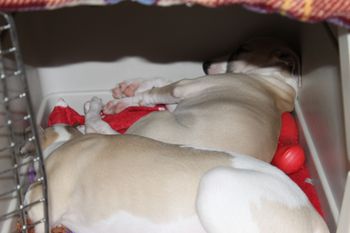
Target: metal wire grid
pixel 18 170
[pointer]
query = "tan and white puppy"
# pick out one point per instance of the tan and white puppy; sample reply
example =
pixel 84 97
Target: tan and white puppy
pixel 132 184
pixel 238 109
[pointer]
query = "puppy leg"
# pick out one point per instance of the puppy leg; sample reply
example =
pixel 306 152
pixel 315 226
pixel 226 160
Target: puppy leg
pixel 130 88
pixel 241 200
pixel 151 97
pixel 36 211
pixel 127 89
pixel 170 95
pixel 220 206
pixel 93 121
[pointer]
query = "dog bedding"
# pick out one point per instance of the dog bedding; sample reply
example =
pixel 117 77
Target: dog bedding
pixel 334 11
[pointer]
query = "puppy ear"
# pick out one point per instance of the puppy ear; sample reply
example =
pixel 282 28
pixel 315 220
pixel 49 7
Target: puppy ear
pixel 286 58
pixel 217 66
pixel 290 61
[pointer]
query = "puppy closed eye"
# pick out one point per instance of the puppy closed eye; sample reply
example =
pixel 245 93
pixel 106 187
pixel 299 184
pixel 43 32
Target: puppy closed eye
pixel 239 51
pixel 284 58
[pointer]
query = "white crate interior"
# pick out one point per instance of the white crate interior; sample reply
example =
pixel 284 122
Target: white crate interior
pixel 79 52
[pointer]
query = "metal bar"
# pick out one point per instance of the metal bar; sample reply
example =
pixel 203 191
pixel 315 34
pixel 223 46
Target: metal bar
pixel 7 99
pixel 7 51
pixel 5 27
pixel 5 156
pixel 17 166
pixel 37 181
pixel 7 148
pixel 20 66
pixel 12 121
pixel 344 52
pixel 32 225
pixel 10 95
pixel 6 193
pixel 10 75
pixel 18 211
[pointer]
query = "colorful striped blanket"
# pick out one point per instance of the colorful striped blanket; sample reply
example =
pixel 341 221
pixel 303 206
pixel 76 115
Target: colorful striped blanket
pixel 334 11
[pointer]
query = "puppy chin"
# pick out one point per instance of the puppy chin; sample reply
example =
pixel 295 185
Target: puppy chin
pixel 217 68
pixel 240 67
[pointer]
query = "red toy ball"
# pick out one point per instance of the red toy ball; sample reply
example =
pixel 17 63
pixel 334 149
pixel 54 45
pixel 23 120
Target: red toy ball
pixel 289 159
pixel 289 156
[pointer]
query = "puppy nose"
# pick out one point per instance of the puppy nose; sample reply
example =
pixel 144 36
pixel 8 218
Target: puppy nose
pixel 206 66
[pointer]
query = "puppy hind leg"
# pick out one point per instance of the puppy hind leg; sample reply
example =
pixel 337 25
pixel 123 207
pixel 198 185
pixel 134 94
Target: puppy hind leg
pixel 130 93
pixel 170 95
pixel 93 121
pixel 251 201
pixel 146 85
pixel 223 203
pixel 35 213
pixel 173 93
pixel 133 87
pixel 125 89
pixel 154 96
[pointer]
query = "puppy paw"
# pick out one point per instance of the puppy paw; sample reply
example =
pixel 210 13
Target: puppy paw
pixel 125 89
pixel 133 87
pixel 115 106
pixel 94 105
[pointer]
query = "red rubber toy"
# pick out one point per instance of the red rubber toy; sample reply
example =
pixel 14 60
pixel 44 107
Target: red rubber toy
pixel 289 156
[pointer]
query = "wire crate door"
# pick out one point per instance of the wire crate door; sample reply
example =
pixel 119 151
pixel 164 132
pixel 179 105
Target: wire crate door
pixel 21 161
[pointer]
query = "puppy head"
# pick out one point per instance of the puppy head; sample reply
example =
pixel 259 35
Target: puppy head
pixel 260 55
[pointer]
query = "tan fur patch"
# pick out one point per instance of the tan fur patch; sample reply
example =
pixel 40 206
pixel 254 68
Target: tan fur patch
pixel 143 177
pixel 73 131
pixel 49 137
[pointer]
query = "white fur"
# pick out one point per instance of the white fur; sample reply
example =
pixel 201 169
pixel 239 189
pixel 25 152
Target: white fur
pixel 268 175
pixel 218 68
pixel 63 136
pixel 61 103
pixel 271 180
pixel 221 196
pixel 150 83
pixel 128 223
pixel 227 196
pixel 93 121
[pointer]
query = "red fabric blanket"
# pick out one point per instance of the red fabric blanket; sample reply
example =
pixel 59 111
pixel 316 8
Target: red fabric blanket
pixel 334 11
pixel 119 122
pixel 123 120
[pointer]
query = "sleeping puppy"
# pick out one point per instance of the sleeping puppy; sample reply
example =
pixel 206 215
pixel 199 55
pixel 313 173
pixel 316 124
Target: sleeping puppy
pixel 133 184
pixel 236 109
